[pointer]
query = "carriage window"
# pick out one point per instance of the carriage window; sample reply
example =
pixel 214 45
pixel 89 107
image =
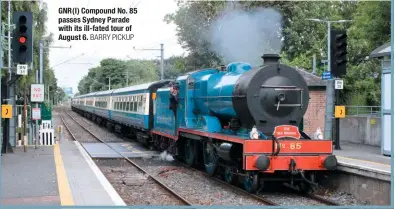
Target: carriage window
pixel 131 106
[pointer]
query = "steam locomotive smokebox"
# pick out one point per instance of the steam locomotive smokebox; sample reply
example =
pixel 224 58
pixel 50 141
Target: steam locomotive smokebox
pixel 271 59
pixel 274 94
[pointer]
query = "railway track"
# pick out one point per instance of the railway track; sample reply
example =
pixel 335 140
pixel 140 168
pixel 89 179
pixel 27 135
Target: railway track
pixel 261 199
pixel 178 196
pixel 323 200
pixel 310 196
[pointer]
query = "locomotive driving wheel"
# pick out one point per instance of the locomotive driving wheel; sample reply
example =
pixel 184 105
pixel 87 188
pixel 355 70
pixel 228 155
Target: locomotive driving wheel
pixel 251 182
pixel 210 158
pixel 189 148
pixel 229 177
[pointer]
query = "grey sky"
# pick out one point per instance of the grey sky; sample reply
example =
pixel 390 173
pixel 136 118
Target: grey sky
pixel 149 31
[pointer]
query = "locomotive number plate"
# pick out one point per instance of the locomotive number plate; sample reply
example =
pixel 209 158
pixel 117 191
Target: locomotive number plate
pixel 291 146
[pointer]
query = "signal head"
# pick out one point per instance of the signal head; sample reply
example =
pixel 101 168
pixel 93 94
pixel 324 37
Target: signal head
pixel 23 48
pixel 22 43
pixel 341 36
pixel 22 19
pixel 22 29
pixel 340 45
pixel 22 39
pixel 341 53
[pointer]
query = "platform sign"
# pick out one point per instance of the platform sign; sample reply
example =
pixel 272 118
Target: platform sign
pixel 21 69
pixel 37 93
pixel 286 131
pixel 339 84
pixel 340 111
pixel 36 113
pixel 326 75
pixel 6 111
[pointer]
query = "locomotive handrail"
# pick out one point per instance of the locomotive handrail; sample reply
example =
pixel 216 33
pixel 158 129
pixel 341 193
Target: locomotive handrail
pixel 214 97
pixel 282 88
pixel 278 146
pixel 288 105
pixel 273 86
pixel 286 89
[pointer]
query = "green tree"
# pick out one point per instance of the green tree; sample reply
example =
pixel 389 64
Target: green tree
pixel 122 73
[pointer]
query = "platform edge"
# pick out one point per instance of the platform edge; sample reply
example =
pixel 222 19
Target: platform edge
pixel 103 180
pixel 364 171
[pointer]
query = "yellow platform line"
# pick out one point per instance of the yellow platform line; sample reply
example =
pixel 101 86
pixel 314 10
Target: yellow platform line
pixel 363 161
pixel 66 197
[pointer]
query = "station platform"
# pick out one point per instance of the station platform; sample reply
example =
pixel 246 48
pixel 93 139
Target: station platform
pixel 62 174
pixel 364 160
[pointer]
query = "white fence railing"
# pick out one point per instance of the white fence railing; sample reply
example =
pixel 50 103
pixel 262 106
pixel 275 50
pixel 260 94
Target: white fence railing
pixel 46 133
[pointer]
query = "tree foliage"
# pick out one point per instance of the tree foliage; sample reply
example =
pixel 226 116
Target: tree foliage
pixel 117 73
pixel 129 72
pixel 302 38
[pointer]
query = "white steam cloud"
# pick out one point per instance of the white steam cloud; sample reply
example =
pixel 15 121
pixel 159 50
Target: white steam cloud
pixel 244 36
pixel 164 156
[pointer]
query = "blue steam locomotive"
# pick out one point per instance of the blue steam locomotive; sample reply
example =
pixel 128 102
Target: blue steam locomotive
pixel 239 121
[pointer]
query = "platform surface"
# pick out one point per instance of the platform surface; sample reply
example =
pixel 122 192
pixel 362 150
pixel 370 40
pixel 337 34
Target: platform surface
pixel 87 184
pixel 364 158
pixel 29 178
pixel 62 174
pixel 127 149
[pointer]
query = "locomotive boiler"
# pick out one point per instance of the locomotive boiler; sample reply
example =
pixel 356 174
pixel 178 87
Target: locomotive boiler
pixel 242 97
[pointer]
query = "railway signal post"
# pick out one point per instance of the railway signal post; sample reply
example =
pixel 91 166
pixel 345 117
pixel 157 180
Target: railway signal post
pixel 22 53
pixel 330 91
pixel 338 68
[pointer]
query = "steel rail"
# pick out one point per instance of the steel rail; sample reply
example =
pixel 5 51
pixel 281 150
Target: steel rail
pixel 186 202
pixel 322 199
pixel 256 197
pixel 315 197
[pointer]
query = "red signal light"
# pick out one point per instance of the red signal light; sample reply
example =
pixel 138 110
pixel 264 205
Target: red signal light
pixel 22 40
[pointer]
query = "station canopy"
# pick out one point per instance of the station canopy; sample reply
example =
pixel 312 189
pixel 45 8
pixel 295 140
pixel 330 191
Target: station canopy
pixel 382 51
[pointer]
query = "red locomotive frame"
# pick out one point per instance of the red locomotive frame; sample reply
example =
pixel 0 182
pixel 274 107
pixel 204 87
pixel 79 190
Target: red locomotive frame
pixel 309 155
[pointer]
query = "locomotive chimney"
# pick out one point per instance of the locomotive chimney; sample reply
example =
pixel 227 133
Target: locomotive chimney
pixel 271 59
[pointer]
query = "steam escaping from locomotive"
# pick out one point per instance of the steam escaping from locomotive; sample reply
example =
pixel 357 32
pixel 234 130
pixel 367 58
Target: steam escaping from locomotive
pixel 237 35
pixel 164 156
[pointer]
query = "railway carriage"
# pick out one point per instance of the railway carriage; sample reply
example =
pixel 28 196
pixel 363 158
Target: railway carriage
pixel 102 105
pixel 89 104
pixel 126 110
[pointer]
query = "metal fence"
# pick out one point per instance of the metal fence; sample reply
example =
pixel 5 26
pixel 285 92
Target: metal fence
pixel 363 111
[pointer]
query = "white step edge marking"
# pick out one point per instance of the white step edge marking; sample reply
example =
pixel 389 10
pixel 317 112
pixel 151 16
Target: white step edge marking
pixel 100 176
